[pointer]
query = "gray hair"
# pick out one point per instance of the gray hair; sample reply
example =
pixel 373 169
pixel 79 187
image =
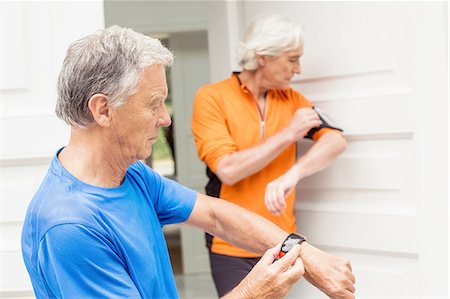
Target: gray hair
pixel 110 62
pixel 269 35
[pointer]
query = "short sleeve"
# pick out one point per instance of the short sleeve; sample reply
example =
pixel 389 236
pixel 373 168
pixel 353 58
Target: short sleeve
pixel 209 127
pixel 78 262
pixel 172 201
pixel 175 202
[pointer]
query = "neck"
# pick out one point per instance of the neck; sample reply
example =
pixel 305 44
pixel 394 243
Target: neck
pixel 92 160
pixel 254 81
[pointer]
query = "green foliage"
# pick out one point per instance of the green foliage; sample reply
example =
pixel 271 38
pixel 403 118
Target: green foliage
pixel 161 149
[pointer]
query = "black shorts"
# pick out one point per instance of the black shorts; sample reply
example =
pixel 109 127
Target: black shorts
pixel 228 271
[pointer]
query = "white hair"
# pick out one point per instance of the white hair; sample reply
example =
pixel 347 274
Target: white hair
pixel 111 62
pixel 269 35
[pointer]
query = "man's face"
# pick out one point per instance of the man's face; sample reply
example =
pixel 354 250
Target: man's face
pixel 135 125
pixel 278 71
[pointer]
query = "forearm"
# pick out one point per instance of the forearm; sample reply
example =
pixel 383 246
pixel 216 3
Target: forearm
pixel 235 225
pixel 320 155
pixel 241 164
pixel 249 231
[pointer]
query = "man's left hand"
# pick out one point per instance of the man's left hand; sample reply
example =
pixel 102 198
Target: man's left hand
pixel 279 189
pixel 331 274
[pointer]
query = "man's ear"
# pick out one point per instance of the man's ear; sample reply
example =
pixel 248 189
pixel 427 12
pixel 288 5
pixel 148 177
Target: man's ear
pixel 261 60
pixel 100 110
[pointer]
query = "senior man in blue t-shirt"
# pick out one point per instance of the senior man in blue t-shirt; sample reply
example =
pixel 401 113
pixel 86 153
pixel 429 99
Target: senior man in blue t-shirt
pixel 93 229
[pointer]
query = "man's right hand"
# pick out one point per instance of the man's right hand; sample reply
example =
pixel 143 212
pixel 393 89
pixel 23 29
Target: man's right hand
pixel 268 279
pixel 302 121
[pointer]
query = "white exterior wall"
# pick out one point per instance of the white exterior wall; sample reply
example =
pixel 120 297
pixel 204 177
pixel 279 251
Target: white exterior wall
pixel 34 39
pixel 381 70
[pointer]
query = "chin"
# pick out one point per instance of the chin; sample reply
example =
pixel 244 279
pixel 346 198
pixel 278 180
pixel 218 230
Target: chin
pixel 284 87
pixel 145 155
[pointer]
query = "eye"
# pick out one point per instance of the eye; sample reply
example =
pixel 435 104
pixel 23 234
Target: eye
pixel 156 104
pixel 154 108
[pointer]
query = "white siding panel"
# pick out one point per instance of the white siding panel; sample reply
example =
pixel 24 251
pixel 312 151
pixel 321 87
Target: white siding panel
pixel 35 37
pixel 12 47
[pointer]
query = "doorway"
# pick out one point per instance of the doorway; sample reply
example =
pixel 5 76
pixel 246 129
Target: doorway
pixel 174 154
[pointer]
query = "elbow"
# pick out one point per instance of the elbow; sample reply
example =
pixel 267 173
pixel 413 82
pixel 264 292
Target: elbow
pixel 227 176
pixel 342 143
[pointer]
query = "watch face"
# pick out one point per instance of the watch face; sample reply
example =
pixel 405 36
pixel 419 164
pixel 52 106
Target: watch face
pixel 290 242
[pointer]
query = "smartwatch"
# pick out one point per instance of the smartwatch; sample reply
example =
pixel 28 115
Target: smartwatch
pixel 289 242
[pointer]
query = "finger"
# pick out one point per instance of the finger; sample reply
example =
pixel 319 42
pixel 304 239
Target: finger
pixel 315 123
pixel 270 255
pixel 352 278
pixel 267 198
pixel 276 199
pixel 316 115
pixel 276 207
pixel 296 271
pixel 303 113
pixel 280 199
pixel 283 199
pixel 349 265
pixel 306 110
pixel 349 271
pixel 288 259
pixel 348 295
pixel 269 202
pixel 313 117
pixel 351 288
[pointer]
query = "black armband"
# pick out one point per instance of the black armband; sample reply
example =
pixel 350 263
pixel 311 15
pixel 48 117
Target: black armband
pixel 326 123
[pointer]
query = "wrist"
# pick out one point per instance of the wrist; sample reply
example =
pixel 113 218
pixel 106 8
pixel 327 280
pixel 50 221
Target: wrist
pixel 306 253
pixel 288 136
pixel 296 171
pixel 304 247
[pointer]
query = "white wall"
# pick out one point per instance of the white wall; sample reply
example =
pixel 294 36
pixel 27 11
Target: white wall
pixel 35 36
pixel 381 70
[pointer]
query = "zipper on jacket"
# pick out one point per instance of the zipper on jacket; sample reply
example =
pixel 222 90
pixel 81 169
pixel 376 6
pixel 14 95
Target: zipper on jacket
pixel 262 115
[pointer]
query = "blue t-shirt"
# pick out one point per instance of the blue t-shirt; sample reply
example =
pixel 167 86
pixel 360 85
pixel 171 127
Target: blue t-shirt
pixel 83 241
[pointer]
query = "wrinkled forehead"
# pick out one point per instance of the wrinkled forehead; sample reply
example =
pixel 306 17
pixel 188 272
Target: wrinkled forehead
pixel 295 52
pixel 153 80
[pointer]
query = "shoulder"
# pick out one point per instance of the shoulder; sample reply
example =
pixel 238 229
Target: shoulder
pixel 57 201
pixel 291 95
pixel 215 89
pixel 143 176
pixel 217 85
pixel 286 94
pixel 73 233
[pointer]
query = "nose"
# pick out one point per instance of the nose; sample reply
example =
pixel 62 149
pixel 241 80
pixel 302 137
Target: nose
pixel 164 119
pixel 298 68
